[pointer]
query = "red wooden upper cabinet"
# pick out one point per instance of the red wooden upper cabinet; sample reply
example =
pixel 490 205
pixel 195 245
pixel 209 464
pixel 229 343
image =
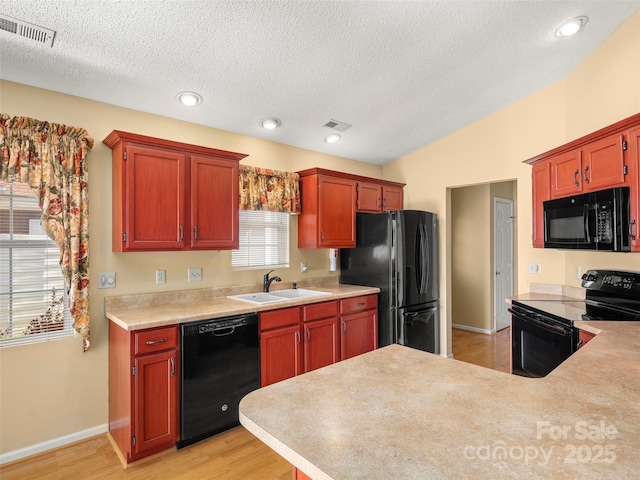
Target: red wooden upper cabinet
pixel 369 197
pixel 633 181
pixel 330 201
pixel 603 163
pixel 379 197
pixel 606 158
pixel 172 196
pixel 328 218
pixel 566 174
pixel 541 192
pixel 392 198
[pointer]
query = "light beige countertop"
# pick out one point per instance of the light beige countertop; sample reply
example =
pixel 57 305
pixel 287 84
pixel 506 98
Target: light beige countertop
pixel 400 413
pixel 135 312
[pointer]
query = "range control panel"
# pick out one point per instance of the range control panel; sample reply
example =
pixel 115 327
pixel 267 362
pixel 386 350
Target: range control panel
pixel 620 282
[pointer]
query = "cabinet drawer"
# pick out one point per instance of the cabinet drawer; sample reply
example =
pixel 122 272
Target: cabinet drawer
pixel 279 318
pixel 155 340
pixel 357 304
pixel 316 311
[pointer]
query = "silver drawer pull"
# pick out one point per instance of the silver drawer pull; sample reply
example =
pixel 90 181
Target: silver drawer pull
pixel 360 304
pixel 153 342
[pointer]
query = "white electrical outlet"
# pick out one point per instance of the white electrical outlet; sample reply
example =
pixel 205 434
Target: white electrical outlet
pixel 576 273
pixel 195 274
pixel 107 280
pixel 161 277
pixel 535 268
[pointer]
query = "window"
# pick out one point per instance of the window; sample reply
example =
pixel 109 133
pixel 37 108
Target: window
pixel 33 294
pixel 264 240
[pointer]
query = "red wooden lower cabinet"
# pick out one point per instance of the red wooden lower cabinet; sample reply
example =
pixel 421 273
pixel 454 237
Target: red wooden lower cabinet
pixel 143 390
pixel 359 325
pixel 585 337
pixel 300 475
pixel 280 354
pixel 296 340
pixel 320 331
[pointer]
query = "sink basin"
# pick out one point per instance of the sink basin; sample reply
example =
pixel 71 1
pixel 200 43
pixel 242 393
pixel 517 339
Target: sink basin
pixel 298 293
pixel 257 298
pixel 277 296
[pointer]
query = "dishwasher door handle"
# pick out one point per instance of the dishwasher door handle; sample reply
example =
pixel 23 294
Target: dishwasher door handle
pixel 227 331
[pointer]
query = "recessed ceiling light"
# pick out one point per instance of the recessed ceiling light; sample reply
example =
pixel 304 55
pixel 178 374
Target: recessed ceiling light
pixel 332 138
pixel 571 27
pixel 189 99
pixel 270 123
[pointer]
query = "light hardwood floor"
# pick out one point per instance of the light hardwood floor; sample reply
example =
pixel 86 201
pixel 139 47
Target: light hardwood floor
pixel 232 455
pixel 491 351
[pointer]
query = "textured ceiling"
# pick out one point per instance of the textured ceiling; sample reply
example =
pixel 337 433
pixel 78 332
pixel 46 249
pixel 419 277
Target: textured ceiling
pixel 403 73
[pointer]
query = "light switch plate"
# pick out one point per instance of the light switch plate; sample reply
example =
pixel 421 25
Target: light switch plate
pixel 195 274
pixel 535 268
pixel 107 280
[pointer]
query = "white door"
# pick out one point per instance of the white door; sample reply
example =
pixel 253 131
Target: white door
pixel 502 260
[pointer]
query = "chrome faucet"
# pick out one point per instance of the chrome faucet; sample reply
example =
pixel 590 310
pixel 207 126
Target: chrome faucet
pixel 266 281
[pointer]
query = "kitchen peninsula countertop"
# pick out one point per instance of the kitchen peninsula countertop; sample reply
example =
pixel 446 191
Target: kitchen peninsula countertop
pixel 135 312
pixel 400 413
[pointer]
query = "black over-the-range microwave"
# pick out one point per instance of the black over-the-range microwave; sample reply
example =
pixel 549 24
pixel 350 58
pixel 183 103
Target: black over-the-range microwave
pixel 590 221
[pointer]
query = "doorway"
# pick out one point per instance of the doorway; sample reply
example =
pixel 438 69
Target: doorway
pixel 474 295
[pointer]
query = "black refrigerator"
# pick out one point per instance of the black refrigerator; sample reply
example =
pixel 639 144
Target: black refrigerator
pixel 398 252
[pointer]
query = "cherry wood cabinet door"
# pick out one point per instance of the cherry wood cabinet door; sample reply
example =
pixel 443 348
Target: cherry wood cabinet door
pixel 321 346
pixel 566 174
pixel 585 337
pixel 633 182
pixel 541 192
pixel 154 217
pixel 369 197
pixel 157 402
pixel 280 354
pixel 393 198
pixel 359 333
pixel 214 203
pixel 603 163
pixel 336 212
pixel 300 475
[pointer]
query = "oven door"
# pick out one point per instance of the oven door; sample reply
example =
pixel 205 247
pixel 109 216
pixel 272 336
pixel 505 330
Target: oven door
pixel 539 344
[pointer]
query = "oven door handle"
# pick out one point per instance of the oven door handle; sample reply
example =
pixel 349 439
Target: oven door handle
pixel 550 328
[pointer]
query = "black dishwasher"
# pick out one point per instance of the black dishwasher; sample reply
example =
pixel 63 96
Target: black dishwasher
pixel 220 365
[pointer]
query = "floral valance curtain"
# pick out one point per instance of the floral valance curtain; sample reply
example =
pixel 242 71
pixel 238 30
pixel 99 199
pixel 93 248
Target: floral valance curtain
pixel 52 159
pixel 266 189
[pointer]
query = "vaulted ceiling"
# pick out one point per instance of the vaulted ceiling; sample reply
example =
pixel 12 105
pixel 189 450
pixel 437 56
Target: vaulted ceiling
pixel 401 73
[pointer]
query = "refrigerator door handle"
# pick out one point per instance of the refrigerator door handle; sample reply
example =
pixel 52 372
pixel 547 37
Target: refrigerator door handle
pixel 422 260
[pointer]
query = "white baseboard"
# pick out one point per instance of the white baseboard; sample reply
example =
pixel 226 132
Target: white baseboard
pixel 51 444
pixel 473 329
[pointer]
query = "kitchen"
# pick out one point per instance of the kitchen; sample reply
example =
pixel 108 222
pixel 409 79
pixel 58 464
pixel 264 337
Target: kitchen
pixel 75 385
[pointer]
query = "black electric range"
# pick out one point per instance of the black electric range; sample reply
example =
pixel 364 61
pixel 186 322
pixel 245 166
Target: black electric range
pixel 610 295
pixel 543 334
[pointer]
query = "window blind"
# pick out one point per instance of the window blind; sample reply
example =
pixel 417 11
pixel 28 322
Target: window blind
pixel 33 294
pixel 263 239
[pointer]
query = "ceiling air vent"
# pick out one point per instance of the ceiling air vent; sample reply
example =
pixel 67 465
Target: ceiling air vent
pixel 336 125
pixel 27 30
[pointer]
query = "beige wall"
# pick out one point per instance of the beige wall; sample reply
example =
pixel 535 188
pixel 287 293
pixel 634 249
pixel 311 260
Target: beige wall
pixel 50 390
pixel 470 263
pixel 601 91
